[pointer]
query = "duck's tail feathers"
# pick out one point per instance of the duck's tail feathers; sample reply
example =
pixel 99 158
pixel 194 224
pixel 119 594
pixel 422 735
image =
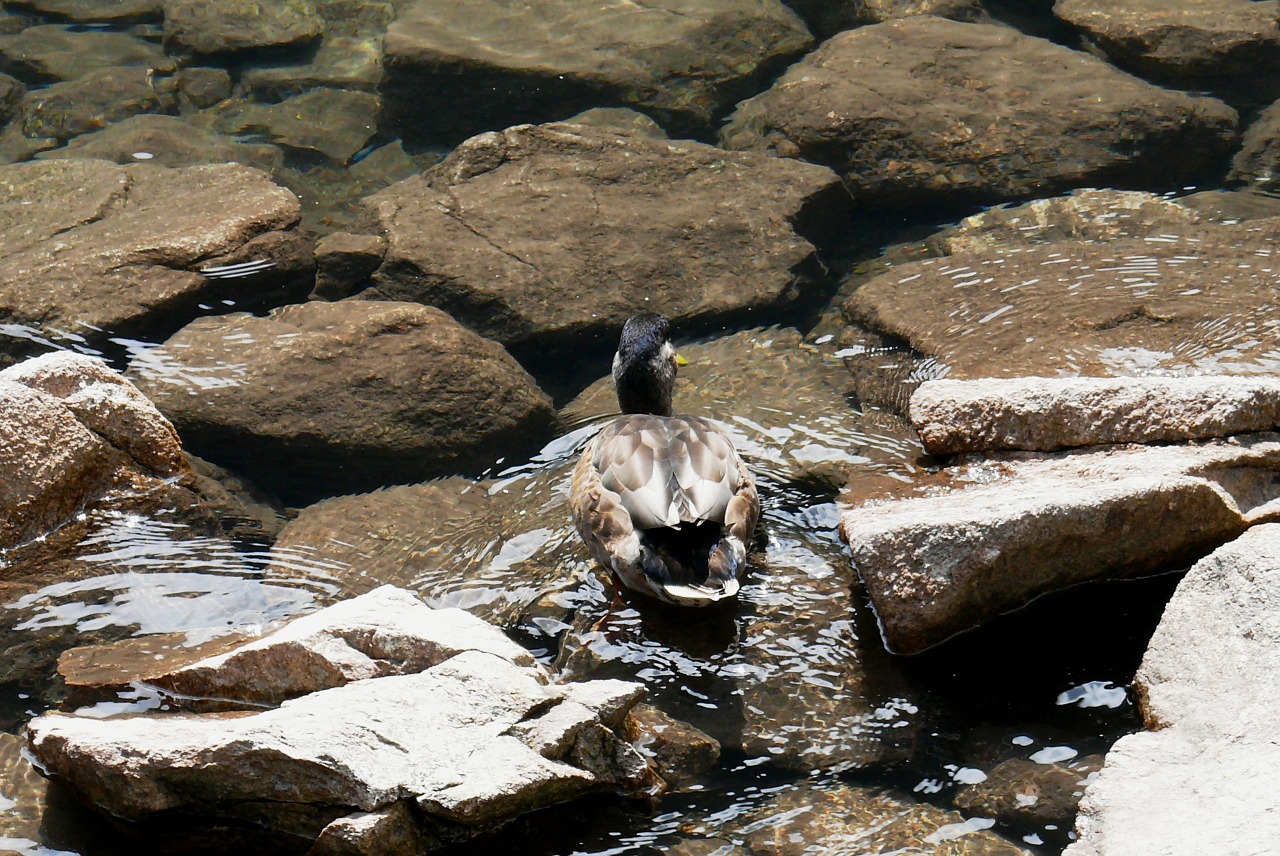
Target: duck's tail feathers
pixel 695 564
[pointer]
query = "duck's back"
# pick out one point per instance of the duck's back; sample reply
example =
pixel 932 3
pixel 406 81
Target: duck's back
pixel 668 469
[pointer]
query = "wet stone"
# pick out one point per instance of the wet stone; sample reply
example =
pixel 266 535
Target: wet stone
pixel 345 263
pixel 828 17
pixel 333 122
pixel 458 68
pixel 22 795
pixel 322 397
pixel 677 749
pixel 97 249
pixel 223 26
pixel 166 141
pixel 111 667
pixel 514 233
pixel 96 11
pixel 11 92
pixel 923 111
pixel 1257 164
pixel 619 119
pixel 1184 41
pixel 96 100
pixel 204 87
pixel 1023 793
pixel 53 52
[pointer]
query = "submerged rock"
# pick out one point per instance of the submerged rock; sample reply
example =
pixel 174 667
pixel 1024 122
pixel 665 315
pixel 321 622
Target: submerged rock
pixel 320 397
pixel 1257 164
pixel 94 11
pixel 330 121
pixel 96 100
pixel 458 67
pixel 676 749
pixel 924 111
pixel 551 236
pixel 1010 531
pixel 1207 685
pixel 1027 794
pixel 22 795
pixel 166 141
pixel 828 17
pixel 52 52
pixel 223 26
pixel 94 249
pixel 1046 414
pixel 1183 41
pixel 74 433
pixel 431 720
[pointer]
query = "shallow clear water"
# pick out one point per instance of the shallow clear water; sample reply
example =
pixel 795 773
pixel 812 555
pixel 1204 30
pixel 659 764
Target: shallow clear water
pixel 792 679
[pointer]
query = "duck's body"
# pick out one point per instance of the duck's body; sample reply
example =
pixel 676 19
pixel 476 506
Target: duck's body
pixel 662 500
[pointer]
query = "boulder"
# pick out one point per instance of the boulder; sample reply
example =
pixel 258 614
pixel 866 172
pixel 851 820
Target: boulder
pixel 1183 300
pixel 204 87
pixel 1257 164
pixel 828 17
pixel 349 56
pixel 924 111
pixel 95 100
pixel 334 122
pixel 1207 686
pixel 459 67
pixel 1184 41
pixel 166 141
pixel 345 262
pixel 227 26
pixel 1024 793
pixel 320 397
pixel 1047 414
pixel 94 249
pixel 434 723
pixel 677 750
pixel 1009 531
pixel 547 238
pixel 51 52
pixel 74 432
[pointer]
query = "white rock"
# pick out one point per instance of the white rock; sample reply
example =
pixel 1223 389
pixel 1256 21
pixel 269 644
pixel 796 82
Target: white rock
pixel 1045 414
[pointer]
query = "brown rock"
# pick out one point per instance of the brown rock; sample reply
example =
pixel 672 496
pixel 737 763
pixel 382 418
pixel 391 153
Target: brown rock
pixel 166 141
pixel 939 564
pixel 222 26
pixel 93 11
pixel 52 52
pixel 96 249
pixel 330 121
pixel 1257 164
pixel 458 68
pixel 1207 684
pixel 925 111
pixel 1183 41
pixel 1046 414
pixel 351 395
pixel 1024 793
pixel 828 17
pixel 677 749
pixel 553 235
pixel 204 87
pixel 345 262
pixel 94 101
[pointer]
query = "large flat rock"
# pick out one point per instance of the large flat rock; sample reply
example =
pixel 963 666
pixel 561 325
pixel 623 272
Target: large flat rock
pixel 553 235
pixel 1047 414
pixel 1008 532
pixel 1165 298
pixel 94 249
pixel 458 67
pixel 1207 685
pixel 351 395
pixel 926 111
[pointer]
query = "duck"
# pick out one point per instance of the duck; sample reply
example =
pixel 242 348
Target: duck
pixel 663 501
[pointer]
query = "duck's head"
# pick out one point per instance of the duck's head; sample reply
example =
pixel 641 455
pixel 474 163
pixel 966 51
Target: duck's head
pixel 644 368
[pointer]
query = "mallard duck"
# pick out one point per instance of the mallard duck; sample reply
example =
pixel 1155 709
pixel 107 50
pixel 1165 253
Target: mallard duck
pixel 663 501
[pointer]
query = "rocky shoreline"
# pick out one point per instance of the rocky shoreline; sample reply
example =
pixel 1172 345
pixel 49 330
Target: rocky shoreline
pixel 365 259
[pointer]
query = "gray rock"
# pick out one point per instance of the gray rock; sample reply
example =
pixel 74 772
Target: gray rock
pixel 364 392
pixel 828 17
pixel 223 26
pixel 96 11
pixel 52 52
pixel 948 561
pixel 345 262
pixel 1047 414
pixel 1257 164
pixel 923 110
pixel 552 235
pixel 1023 793
pixel 73 430
pixel 166 141
pixel 1184 41
pixel 96 249
pixel 459 67
pixel 1207 685
pixel 330 121
pixel 95 100
pixel 1180 300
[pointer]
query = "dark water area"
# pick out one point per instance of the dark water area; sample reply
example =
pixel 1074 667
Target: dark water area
pixel 793 678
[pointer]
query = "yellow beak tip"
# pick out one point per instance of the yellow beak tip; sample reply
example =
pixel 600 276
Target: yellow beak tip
pixel 681 361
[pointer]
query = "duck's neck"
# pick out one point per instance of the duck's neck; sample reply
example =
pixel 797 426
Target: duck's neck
pixel 640 392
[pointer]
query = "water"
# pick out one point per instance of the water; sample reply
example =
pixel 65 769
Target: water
pixel 792 679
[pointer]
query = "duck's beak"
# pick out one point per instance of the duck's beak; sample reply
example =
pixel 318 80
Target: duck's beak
pixel 680 360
